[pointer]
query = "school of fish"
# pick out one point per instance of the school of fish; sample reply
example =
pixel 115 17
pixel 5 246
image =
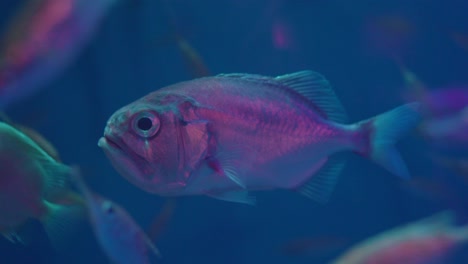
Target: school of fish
pixel 224 136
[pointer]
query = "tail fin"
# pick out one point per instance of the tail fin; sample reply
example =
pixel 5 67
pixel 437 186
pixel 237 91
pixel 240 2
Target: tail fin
pixel 383 131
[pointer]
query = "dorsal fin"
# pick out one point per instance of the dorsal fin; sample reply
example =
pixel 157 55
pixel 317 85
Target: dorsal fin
pixel 33 135
pixel 312 85
pixel 317 89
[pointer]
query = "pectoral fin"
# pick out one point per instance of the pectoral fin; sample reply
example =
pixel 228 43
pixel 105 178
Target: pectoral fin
pixel 223 168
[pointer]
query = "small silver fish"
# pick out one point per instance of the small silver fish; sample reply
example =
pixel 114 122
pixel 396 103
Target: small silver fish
pixel 119 235
pixel 225 135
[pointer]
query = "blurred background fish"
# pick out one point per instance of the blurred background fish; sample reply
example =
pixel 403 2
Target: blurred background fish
pixel 445 111
pixel 162 219
pixel 33 135
pixel 42 40
pixel 352 42
pixel 119 235
pixel 435 102
pixel 192 58
pixel 33 185
pixel 425 241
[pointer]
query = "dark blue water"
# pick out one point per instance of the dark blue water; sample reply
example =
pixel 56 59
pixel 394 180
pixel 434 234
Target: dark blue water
pixel 126 60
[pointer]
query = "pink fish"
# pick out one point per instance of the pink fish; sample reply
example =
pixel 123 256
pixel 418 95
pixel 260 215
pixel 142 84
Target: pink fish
pixel 42 40
pixel 435 102
pixel 445 110
pixel 420 242
pixel 225 135
pixel 447 129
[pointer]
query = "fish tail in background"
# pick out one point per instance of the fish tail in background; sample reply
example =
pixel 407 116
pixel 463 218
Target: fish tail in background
pixel 415 88
pixel 192 58
pixel 60 221
pixel 161 221
pixel 377 136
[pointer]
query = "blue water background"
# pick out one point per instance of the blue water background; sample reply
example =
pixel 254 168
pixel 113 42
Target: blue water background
pixel 125 62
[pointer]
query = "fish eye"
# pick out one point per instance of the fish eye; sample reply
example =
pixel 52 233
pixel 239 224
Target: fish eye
pixel 146 124
pixel 108 208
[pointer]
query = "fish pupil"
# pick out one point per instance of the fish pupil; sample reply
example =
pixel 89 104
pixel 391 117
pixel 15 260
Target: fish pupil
pixel 145 123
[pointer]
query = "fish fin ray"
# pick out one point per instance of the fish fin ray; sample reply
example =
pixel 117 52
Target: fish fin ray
pixel 232 175
pixel 60 221
pixel 226 164
pixel 57 178
pixel 13 237
pixel 321 185
pixel 40 141
pixel 316 88
pixel 235 196
pixel 245 76
pixel 383 131
pixel 152 247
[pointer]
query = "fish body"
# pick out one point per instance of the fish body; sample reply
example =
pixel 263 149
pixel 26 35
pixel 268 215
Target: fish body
pixel 420 242
pixel 44 38
pixel 445 102
pixel 447 129
pixel 31 183
pixel 118 234
pixel 225 135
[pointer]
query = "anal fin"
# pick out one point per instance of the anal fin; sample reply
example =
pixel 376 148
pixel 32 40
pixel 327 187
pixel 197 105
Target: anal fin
pixel 321 185
pixel 235 196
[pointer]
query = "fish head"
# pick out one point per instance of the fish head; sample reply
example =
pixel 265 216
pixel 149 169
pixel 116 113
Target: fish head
pixel 108 214
pixel 115 228
pixel 141 142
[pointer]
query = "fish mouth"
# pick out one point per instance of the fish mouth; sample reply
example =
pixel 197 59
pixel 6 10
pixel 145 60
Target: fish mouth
pixel 118 152
pixel 106 141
